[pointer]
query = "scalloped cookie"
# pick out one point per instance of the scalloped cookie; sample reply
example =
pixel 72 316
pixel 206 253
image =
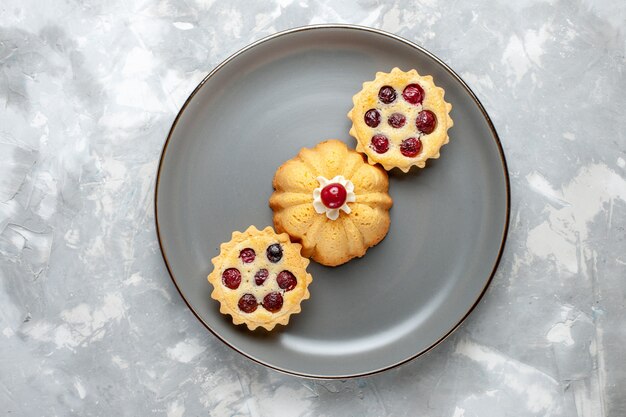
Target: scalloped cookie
pixel 332 201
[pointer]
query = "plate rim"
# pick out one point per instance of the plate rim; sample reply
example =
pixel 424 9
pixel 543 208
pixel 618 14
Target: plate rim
pixel 473 96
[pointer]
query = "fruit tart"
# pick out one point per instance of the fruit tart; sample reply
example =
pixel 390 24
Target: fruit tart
pixel 260 278
pixel 400 119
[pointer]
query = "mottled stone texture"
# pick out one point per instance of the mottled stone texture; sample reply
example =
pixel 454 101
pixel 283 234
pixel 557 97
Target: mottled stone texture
pixel 90 323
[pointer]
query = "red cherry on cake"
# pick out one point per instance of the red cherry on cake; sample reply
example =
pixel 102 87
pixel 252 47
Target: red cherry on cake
pixel 410 147
pixel 413 93
pixel 273 302
pixel 261 276
pixel 286 280
pixel 334 195
pixel 396 120
pixel 386 94
pixel 372 118
pixel 247 255
pixel 380 143
pixel 426 121
pixel 231 278
pixel 247 303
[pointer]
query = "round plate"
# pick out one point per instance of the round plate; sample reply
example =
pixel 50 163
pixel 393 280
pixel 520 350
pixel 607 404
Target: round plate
pixel 448 223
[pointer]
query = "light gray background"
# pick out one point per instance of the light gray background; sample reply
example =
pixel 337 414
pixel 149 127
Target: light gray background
pixel 90 323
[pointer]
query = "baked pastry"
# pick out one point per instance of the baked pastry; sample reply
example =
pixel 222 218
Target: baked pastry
pixel 400 119
pixel 330 200
pixel 260 278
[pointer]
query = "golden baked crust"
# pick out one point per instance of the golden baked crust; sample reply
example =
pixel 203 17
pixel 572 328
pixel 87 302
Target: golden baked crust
pixel 367 99
pixel 291 261
pixel 331 242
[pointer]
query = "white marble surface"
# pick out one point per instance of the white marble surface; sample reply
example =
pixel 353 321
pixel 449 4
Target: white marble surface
pixel 90 323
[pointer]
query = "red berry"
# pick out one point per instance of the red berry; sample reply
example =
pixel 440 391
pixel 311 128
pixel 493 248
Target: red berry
pixel 396 120
pixel 334 195
pixel 372 118
pixel 247 255
pixel 387 94
pixel 247 303
pixel 273 302
pixel 426 121
pixel 410 147
pixel 380 143
pixel 413 93
pixel 231 278
pixel 260 276
pixel 286 280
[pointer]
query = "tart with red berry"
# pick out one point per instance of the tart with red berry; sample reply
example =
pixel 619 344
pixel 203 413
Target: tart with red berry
pixel 260 278
pixel 400 119
pixel 332 201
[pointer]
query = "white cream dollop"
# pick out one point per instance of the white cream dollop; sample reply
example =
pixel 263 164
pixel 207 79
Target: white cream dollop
pixel 320 208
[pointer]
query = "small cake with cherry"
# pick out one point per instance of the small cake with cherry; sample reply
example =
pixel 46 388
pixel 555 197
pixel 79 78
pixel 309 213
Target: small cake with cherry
pixel 260 278
pixel 332 202
pixel 400 119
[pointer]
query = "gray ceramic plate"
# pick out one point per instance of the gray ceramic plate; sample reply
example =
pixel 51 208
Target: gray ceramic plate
pixel 293 90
